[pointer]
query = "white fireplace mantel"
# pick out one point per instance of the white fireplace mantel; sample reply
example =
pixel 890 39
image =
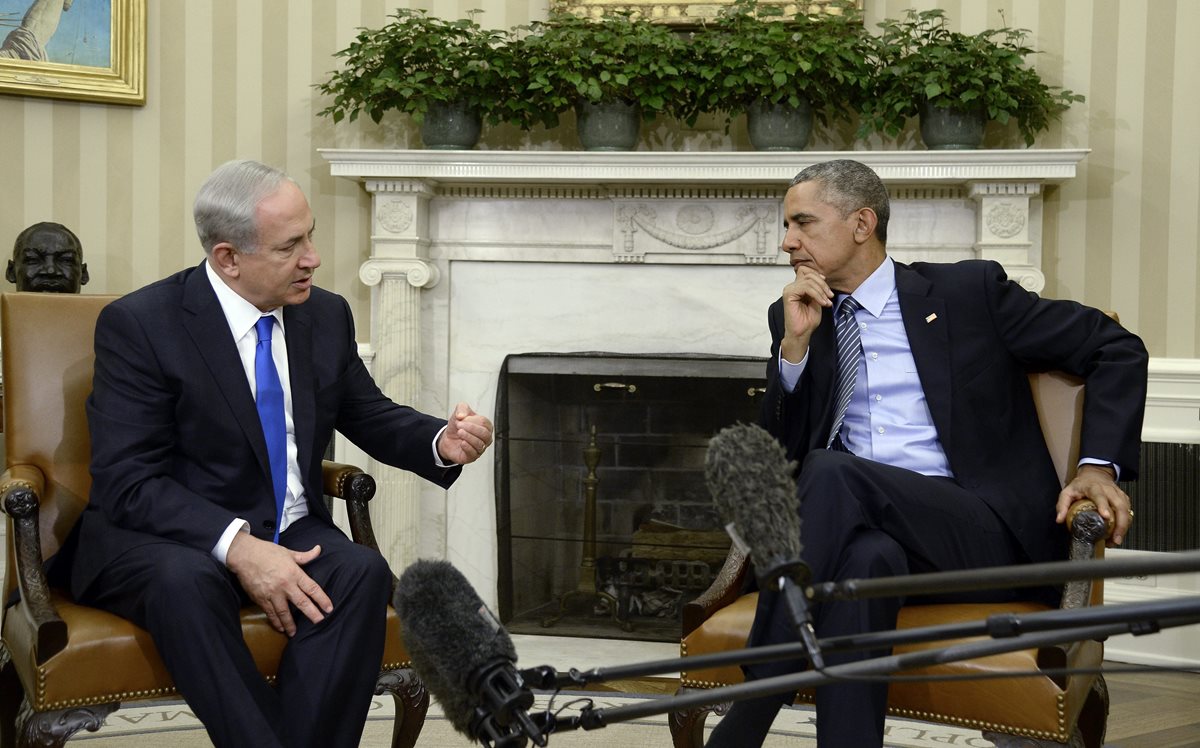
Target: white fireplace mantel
pixel 696 168
pixel 478 254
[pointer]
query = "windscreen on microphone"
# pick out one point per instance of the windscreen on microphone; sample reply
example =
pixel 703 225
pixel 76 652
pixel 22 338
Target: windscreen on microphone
pixel 750 479
pixel 451 636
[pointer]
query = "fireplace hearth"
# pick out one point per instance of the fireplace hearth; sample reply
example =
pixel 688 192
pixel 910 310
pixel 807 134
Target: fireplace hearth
pixel 604 524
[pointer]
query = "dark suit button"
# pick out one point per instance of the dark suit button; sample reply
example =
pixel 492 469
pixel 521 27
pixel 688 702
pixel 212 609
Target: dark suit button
pixel 269 525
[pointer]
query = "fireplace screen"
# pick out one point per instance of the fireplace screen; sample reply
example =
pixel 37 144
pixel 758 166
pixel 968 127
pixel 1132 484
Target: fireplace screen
pixel 605 525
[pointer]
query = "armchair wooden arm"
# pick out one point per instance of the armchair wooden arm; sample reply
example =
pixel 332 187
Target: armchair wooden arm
pixel 356 488
pixel 21 487
pixel 726 588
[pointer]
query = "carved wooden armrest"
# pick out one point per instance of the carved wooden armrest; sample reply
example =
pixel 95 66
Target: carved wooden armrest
pixel 347 482
pixel 726 588
pixel 1088 530
pixel 21 488
pixel 1087 526
pixel 356 488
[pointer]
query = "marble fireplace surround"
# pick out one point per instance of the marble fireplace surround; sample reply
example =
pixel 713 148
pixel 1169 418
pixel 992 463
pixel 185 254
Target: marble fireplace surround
pixel 478 254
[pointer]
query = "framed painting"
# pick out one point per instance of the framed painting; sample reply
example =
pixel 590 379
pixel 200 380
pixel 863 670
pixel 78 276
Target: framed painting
pixel 677 13
pixel 86 50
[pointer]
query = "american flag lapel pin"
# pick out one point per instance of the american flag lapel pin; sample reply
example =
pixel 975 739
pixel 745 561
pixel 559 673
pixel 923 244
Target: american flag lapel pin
pixel 930 318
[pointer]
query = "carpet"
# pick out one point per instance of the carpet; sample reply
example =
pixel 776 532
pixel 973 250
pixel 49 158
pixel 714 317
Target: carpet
pixel 169 723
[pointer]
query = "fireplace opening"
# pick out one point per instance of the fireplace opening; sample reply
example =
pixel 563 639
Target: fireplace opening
pixel 605 527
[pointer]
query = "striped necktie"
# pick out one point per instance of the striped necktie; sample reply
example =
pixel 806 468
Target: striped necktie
pixel 849 351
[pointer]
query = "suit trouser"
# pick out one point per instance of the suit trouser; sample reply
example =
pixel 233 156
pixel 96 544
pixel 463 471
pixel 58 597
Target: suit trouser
pixel 863 519
pixel 189 603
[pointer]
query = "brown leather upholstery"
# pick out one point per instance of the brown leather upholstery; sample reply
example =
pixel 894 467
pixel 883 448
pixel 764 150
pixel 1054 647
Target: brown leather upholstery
pixel 73 664
pixel 1048 708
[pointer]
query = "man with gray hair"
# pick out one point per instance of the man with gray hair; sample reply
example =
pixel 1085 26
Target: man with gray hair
pixel 216 392
pixel 902 392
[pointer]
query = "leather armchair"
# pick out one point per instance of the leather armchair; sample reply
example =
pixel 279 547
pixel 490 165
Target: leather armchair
pixel 65 666
pixel 1048 709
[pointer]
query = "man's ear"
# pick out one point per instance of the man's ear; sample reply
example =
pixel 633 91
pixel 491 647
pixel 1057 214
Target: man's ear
pixel 225 260
pixel 10 275
pixel 864 224
pixel 83 275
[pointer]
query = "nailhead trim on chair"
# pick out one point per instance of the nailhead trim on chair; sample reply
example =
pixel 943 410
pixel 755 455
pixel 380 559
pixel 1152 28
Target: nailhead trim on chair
pixel 1059 737
pixel 123 696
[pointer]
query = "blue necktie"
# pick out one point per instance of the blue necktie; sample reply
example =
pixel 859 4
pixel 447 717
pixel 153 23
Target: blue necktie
pixel 268 396
pixel 849 350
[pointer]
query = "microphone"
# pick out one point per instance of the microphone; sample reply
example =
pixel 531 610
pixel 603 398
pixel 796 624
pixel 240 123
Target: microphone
pixel 750 479
pixel 464 656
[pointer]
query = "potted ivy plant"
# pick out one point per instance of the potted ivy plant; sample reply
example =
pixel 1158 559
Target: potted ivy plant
pixel 619 64
pixel 754 60
pixel 963 81
pixel 448 75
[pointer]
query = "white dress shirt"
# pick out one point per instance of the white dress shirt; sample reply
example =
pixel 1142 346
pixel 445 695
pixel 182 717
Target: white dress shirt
pixel 242 316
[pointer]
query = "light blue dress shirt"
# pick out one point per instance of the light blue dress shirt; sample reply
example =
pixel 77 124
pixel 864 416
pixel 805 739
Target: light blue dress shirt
pixel 888 419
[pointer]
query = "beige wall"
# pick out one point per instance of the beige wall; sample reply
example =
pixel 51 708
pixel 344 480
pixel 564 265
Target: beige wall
pixel 233 79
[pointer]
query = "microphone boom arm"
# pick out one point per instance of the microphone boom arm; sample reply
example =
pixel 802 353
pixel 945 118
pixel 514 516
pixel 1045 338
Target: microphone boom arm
pixel 1140 618
pixel 591 719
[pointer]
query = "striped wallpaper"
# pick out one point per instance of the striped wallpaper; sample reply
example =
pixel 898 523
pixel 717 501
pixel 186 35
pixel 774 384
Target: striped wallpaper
pixel 231 79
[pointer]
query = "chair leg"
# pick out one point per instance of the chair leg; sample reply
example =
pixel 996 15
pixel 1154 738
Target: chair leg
pixel 53 729
pixel 412 701
pixel 687 726
pixel 1093 718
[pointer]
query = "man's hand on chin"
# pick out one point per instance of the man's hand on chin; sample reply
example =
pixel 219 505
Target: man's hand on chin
pixel 272 577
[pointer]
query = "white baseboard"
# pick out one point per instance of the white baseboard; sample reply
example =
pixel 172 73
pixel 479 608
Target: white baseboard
pixel 1177 647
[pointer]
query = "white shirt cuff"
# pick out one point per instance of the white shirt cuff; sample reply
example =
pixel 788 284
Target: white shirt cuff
pixel 221 549
pixel 789 373
pixel 1093 461
pixel 437 458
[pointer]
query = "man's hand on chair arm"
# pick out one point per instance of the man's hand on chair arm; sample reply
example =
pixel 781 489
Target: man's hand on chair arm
pixel 1098 483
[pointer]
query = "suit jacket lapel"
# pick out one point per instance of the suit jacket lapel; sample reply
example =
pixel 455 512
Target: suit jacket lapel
pixel 300 357
pixel 209 331
pixel 823 367
pixel 926 322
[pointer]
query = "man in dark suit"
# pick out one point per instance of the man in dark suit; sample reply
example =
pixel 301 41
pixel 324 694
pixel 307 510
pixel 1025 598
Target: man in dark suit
pixel 924 453
pixel 202 501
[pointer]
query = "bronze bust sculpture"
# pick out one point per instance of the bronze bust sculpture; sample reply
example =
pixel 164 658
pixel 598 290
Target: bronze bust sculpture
pixel 47 257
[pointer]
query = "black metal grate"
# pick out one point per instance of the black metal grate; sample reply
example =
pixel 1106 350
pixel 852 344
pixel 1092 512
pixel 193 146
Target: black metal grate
pixel 1166 497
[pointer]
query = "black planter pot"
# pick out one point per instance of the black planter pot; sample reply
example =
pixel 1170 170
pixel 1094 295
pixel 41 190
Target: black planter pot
pixel 608 126
pixel 951 129
pixel 450 126
pixel 779 127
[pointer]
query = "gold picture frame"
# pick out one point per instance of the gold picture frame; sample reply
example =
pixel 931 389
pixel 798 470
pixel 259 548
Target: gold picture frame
pixel 677 13
pixel 121 81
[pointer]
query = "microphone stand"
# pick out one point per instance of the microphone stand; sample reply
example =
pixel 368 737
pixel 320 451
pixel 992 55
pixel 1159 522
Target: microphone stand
pixel 1004 577
pixel 1139 618
pixel 591 719
pixel 1010 632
